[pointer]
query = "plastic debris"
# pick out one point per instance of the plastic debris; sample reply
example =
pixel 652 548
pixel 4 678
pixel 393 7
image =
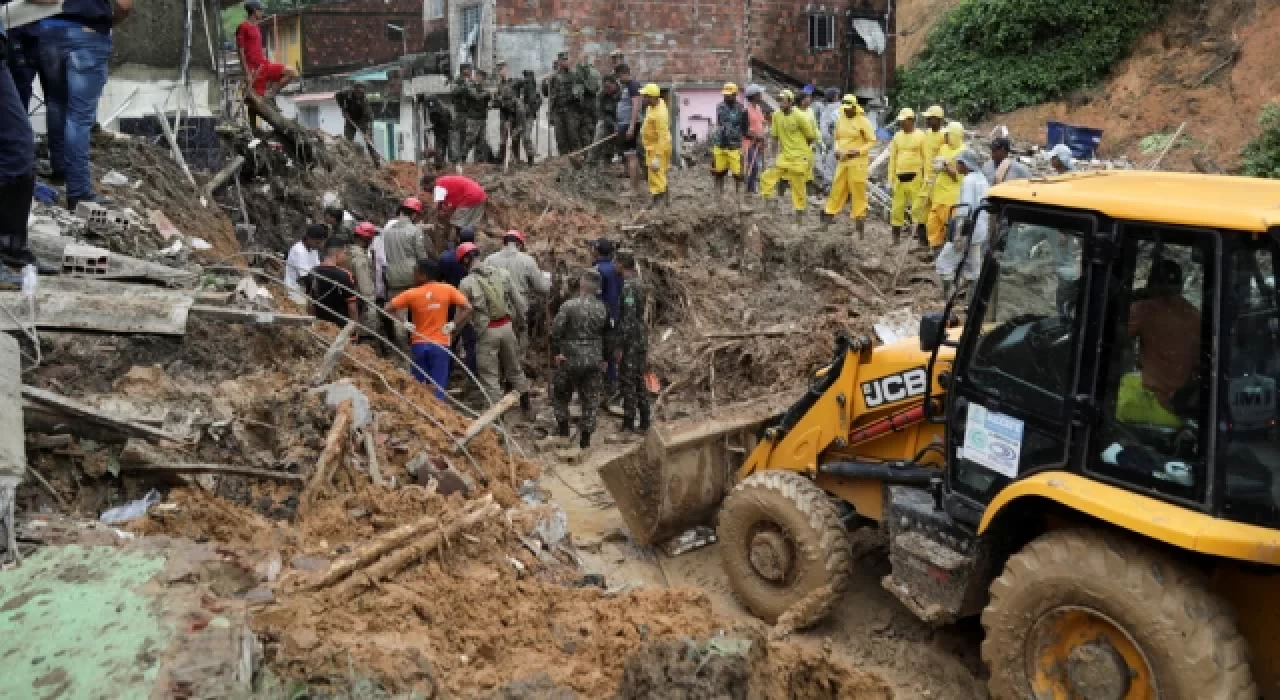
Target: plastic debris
pixel 131 511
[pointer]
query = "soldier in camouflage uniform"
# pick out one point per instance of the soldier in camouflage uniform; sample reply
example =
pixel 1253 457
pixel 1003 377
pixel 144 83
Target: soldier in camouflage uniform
pixel 565 91
pixel 515 125
pixel 607 124
pixel 471 101
pixel 631 349
pixel 580 339
pixel 590 80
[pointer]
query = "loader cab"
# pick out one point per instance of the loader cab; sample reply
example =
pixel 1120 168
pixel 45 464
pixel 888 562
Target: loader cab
pixel 1091 346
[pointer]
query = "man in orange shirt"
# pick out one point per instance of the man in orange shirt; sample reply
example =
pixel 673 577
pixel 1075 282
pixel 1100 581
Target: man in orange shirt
pixel 428 302
pixel 1168 329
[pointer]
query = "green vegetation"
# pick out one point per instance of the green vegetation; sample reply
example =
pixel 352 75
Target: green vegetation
pixel 1262 155
pixel 231 18
pixel 998 55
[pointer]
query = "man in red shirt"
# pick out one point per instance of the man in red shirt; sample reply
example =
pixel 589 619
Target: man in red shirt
pixel 460 198
pixel 253 61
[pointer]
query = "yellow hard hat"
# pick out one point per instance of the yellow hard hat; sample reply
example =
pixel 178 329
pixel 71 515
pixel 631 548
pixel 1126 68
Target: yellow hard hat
pixel 729 89
pixel 787 95
pixel 935 111
pixel 906 113
pixel 651 90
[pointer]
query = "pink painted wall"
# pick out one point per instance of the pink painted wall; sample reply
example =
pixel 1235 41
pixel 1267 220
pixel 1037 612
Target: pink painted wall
pixel 698 110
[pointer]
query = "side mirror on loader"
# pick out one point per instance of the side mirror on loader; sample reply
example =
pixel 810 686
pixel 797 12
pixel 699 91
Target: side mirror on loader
pixel 933 328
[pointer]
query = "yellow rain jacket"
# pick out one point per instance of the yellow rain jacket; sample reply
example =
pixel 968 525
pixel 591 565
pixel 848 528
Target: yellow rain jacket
pixel 655 134
pixel 794 132
pixel 946 186
pixel 855 133
pixel 906 153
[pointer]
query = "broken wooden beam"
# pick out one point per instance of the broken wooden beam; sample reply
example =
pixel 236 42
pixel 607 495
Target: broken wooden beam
pixel 202 468
pixel 334 353
pixel 262 318
pixel 334 445
pixel 484 419
pixel 223 175
pixel 74 409
pixel 842 281
pixel 401 558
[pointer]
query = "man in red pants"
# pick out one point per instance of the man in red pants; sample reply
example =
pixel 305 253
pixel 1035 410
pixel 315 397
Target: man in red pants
pixel 264 74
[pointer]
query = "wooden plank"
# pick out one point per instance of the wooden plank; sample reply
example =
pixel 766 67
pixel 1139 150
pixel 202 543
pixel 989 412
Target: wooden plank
pixel 265 318
pixel 143 310
pixel 333 354
pixel 222 469
pixel 484 419
pixel 61 404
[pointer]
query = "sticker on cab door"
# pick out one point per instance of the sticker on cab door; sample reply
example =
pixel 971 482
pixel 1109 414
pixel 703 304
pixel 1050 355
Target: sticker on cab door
pixel 993 440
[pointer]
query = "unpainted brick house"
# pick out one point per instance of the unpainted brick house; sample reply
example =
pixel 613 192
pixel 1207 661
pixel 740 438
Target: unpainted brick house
pixel 691 46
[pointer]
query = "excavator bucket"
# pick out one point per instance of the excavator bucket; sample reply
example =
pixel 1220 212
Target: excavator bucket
pixel 676 479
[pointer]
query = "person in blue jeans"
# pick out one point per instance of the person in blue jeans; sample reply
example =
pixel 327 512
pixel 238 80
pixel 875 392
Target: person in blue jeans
pixel 429 302
pixel 17 175
pixel 611 294
pixel 74 48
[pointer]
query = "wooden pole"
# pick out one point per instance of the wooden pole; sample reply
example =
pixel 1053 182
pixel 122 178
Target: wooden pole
pixel 334 445
pixel 484 419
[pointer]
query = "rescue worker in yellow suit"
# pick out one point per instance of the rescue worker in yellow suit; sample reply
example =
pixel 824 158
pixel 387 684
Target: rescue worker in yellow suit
pixel 854 136
pixel 794 132
pixel 946 185
pixel 906 169
pixel 934 118
pixel 655 136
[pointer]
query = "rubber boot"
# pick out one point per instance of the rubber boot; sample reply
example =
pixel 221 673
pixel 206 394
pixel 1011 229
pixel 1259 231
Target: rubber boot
pixel 799 219
pixel 530 159
pixel 860 227
pixel 562 428
pixel 921 237
pixel 643 425
pixel 897 234
pixel 719 182
pixel 526 405
pixel 825 220
pixel 584 439
pixel 666 200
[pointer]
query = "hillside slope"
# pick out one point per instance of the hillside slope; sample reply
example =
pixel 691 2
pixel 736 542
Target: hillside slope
pixel 1213 67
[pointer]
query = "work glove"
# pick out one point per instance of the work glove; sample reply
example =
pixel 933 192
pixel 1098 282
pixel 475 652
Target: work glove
pixel 410 327
pixel 448 328
pixel 655 164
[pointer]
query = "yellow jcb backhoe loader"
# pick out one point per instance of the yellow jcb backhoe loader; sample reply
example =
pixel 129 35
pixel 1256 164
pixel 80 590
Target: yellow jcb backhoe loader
pixel 1091 463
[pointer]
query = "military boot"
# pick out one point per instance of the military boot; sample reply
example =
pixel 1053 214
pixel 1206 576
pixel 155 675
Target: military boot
pixel 562 428
pixel 530 159
pixel 526 405
pixel 584 439
pixel 643 425
pixel 826 220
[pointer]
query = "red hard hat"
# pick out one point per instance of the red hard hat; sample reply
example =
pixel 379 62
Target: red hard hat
pixel 514 234
pixel 412 203
pixel 366 230
pixel 464 250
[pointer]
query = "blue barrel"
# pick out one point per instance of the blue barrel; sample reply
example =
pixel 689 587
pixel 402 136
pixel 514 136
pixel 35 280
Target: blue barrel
pixel 1082 140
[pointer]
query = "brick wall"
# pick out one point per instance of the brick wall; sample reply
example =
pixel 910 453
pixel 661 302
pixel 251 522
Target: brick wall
pixel 685 41
pixel 705 41
pixel 780 37
pixel 349 35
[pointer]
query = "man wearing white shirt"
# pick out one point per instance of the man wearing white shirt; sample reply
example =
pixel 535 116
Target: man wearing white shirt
pixel 303 256
pixel 973 190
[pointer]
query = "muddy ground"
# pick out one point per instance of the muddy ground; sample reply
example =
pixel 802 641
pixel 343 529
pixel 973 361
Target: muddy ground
pixel 502 608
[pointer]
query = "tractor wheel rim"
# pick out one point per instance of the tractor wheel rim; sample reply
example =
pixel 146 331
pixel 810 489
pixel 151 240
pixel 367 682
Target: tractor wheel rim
pixel 1079 652
pixel 770 554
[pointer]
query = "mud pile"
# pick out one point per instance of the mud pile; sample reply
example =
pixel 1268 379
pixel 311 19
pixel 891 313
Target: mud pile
pixel 739 306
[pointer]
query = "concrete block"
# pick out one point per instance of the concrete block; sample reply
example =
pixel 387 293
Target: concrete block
pixel 95 215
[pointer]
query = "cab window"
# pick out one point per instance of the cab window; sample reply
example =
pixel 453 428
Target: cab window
pixel 1250 445
pixel 1024 357
pixel 1025 352
pixel 1158 352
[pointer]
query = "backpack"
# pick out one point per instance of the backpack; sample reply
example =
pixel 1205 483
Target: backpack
pixel 495 299
pixel 590 77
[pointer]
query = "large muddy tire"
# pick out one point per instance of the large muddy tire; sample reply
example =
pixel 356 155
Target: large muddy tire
pixel 1089 614
pixel 781 540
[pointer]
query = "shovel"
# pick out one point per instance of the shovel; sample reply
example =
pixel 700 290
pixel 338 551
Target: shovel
pixel 575 158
